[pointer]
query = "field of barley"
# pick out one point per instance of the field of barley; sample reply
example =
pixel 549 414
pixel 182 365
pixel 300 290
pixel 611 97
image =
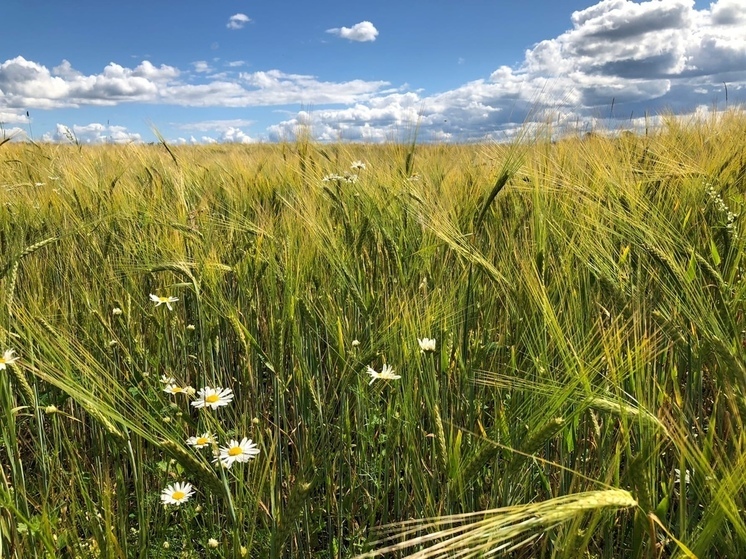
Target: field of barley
pixel 534 349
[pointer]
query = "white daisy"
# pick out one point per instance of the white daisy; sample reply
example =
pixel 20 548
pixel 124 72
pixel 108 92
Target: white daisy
pixel 163 300
pixel 357 166
pixel 213 397
pixel 177 493
pixel 174 389
pixel 426 344
pixel 165 379
pixel 387 373
pixel 237 452
pixel 201 441
pixel 7 359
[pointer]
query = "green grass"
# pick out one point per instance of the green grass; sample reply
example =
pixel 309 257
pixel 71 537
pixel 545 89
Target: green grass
pixel 586 391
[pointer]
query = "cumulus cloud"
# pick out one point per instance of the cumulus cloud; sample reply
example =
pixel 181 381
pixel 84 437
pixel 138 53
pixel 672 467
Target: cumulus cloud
pixel 620 58
pixel 215 125
pixel 361 32
pixel 25 83
pixel 94 133
pixel 238 21
pixel 201 66
pixel 236 136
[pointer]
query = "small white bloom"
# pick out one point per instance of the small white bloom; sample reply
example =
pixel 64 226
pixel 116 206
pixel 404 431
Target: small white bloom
pixel 7 359
pixel 177 493
pixel 426 344
pixel 387 373
pixel 237 452
pixel 213 397
pixel 174 389
pixel 357 166
pixel 116 311
pixel 213 543
pixel 165 379
pixel 163 300
pixel 355 343
pixel 201 441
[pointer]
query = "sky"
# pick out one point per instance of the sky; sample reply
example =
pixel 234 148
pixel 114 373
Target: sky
pixel 198 71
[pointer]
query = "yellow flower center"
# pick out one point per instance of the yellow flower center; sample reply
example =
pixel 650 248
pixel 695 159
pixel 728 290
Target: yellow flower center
pixel 212 398
pixel 177 390
pixel 178 495
pixel 202 440
pixel 235 451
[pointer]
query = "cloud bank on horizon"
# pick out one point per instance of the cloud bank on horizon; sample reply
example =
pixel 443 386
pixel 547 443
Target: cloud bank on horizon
pixel 619 61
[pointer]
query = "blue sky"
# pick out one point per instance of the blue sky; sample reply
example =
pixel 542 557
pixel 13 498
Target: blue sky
pixel 462 70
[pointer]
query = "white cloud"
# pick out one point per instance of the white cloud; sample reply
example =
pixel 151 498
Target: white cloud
pixel 641 57
pixel 236 136
pixel 25 83
pixel 14 133
pixel 201 66
pixel 12 117
pixel 361 32
pixel 216 125
pixel 238 21
pixel 94 133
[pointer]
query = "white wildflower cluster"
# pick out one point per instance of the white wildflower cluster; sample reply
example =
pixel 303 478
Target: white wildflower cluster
pixel 427 345
pixel 207 397
pixel 349 178
pixel 722 209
